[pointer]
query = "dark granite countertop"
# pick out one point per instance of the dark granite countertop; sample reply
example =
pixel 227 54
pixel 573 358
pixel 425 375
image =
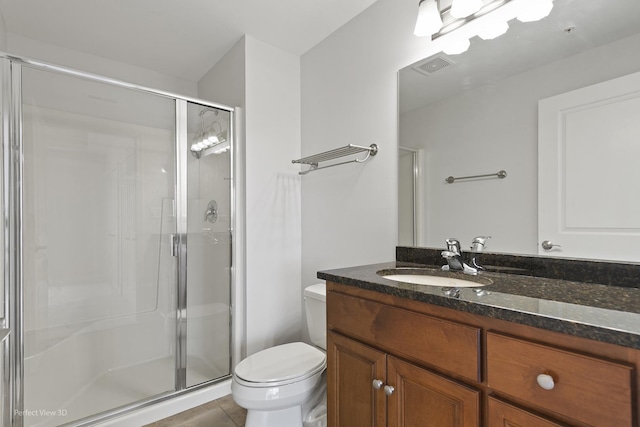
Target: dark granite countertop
pixel 595 311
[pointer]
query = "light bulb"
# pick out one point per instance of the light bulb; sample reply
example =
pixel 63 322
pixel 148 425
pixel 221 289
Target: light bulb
pixel 223 146
pixel 455 47
pixel 464 8
pixel 535 10
pixel 429 21
pixel 492 29
pixel 212 137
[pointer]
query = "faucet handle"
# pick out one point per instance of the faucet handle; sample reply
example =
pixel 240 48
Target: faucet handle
pixel 453 245
pixel 477 245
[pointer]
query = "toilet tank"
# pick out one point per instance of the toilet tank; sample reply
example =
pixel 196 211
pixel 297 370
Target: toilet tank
pixel 315 297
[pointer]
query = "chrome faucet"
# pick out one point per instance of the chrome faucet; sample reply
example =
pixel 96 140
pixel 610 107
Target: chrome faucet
pixel 477 246
pixel 453 255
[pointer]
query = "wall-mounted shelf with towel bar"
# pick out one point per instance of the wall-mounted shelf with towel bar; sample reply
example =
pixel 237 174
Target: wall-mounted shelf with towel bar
pixel 347 150
pixel 499 174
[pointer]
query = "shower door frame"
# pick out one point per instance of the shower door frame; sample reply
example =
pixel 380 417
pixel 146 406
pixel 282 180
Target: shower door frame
pixel 12 369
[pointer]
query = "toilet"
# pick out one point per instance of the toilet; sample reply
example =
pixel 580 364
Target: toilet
pixel 283 385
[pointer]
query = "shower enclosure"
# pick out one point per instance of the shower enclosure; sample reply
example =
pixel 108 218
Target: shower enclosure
pixel 117 209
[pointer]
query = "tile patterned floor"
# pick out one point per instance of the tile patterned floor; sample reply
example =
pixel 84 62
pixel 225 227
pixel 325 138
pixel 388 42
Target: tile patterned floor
pixel 219 413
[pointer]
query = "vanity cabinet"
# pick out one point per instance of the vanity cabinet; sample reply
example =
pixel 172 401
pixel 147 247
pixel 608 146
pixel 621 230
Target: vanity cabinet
pixel 394 362
pixel 373 388
pixel 380 386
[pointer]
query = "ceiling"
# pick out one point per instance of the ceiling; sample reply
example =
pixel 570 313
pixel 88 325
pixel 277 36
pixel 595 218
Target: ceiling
pixel 181 38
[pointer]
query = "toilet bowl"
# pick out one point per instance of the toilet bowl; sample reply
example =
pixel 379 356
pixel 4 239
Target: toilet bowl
pixel 279 385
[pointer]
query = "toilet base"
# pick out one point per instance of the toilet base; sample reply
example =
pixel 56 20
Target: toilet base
pixel 289 417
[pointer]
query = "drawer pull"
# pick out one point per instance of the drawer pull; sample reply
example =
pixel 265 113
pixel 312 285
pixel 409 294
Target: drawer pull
pixel 546 381
pixel 377 384
pixel 388 390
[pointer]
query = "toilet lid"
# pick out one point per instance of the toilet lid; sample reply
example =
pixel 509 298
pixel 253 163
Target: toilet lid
pixel 281 363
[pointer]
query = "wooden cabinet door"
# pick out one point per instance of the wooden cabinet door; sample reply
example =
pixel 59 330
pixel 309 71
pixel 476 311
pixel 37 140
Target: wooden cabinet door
pixel 422 398
pixel 352 400
pixel 501 414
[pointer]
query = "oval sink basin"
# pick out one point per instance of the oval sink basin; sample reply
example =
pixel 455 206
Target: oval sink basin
pixel 418 277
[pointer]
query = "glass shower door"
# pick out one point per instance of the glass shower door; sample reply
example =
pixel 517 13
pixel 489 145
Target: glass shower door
pixel 99 282
pixel 208 223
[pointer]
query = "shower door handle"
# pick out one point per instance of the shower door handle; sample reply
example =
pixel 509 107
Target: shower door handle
pixel 173 239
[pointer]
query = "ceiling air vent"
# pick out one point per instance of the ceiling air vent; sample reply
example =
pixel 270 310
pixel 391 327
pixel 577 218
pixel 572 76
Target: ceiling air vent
pixel 432 65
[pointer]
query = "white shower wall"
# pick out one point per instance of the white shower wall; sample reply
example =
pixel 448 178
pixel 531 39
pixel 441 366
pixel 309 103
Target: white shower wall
pixel 96 169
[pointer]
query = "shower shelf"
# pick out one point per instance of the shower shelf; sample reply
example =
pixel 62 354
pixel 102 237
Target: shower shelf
pixel 336 153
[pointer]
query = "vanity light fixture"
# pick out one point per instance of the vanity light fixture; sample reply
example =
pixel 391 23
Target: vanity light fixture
pixel 429 20
pixel 223 144
pixel 535 11
pixel 209 137
pixel 464 8
pixel 465 19
pixel 494 28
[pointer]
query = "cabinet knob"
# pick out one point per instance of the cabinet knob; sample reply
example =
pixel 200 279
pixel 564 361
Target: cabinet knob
pixel 377 384
pixel 546 381
pixel 388 390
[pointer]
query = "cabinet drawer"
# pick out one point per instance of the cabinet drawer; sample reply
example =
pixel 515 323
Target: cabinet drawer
pixel 443 344
pixel 594 391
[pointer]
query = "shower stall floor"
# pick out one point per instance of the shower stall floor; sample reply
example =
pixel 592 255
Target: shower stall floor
pixel 121 387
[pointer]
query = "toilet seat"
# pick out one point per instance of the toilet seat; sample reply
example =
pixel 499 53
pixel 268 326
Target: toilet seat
pixel 280 365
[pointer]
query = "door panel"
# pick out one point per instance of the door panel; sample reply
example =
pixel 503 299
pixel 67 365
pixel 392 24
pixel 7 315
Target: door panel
pixel 587 171
pixel 352 401
pixel 422 398
pixel 98 276
pixel 208 279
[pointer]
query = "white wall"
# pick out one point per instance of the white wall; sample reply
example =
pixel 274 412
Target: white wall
pixel 3 34
pixel 225 82
pixel 462 135
pixel 58 55
pixel 349 95
pixel 272 196
pixel 270 96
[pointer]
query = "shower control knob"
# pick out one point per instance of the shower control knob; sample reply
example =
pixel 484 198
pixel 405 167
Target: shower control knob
pixel 377 384
pixel 211 214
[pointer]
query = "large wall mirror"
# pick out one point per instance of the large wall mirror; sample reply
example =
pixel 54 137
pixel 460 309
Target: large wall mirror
pixel 553 103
